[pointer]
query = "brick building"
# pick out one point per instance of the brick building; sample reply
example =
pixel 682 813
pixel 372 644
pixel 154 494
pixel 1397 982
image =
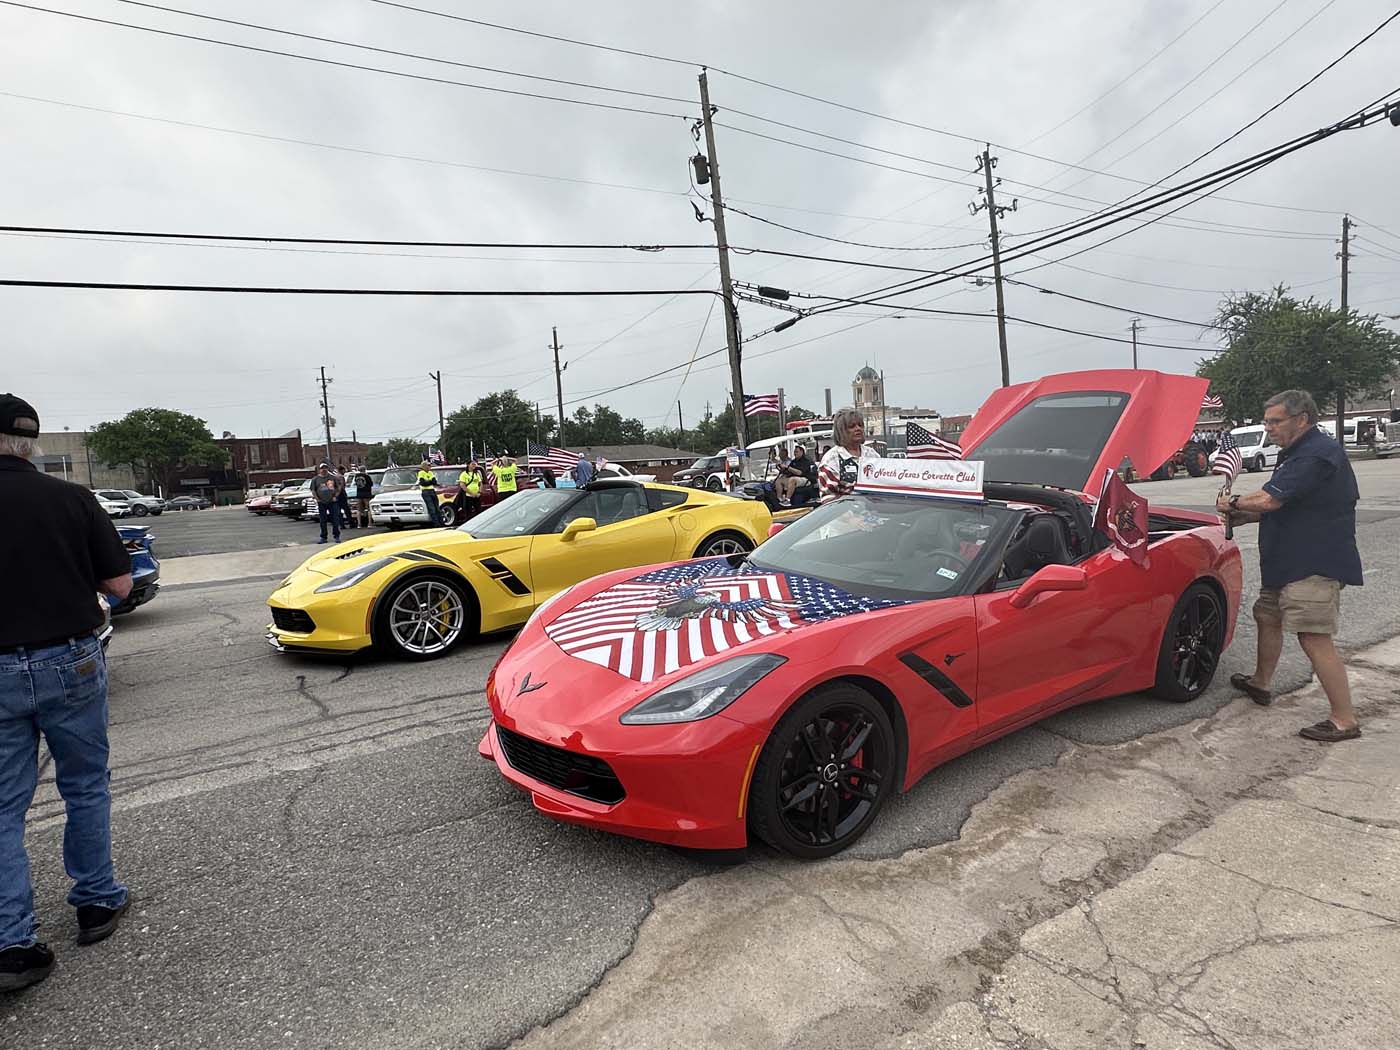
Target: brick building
pixel 343 453
pixel 247 455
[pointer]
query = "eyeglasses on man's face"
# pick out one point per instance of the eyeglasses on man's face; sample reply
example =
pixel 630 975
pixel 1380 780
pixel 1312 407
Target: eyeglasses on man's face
pixel 1278 421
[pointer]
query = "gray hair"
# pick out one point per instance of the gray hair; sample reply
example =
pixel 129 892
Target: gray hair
pixel 841 423
pixel 23 447
pixel 1296 403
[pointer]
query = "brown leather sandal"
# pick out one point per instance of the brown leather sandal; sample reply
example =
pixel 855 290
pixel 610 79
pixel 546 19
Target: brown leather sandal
pixel 1262 697
pixel 1327 732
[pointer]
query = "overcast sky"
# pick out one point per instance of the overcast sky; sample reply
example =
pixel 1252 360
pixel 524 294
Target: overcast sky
pixel 1022 75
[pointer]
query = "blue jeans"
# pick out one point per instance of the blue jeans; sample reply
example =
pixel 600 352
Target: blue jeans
pixel 60 691
pixel 430 501
pixel 328 512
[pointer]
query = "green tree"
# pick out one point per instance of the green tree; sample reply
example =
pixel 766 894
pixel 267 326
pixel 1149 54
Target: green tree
pixel 155 442
pixel 401 451
pixel 1275 342
pixel 498 422
pixel 602 426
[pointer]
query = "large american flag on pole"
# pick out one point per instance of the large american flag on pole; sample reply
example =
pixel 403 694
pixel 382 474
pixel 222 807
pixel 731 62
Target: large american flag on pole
pixel 756 404
pixel 1226 461
pixel 925 445
pixel 559 460
pixel 666 620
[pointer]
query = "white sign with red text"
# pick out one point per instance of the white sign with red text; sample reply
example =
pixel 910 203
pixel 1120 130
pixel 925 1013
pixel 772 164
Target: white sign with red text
pixel 948 478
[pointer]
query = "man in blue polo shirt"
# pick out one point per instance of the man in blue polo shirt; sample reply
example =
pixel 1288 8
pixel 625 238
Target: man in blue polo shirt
pixel 1307 554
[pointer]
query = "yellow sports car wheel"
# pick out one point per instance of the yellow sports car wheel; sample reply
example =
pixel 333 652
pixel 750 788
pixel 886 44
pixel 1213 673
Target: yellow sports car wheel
pixel 423 617
pixel 724 543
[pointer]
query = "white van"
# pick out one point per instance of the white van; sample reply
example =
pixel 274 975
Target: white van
pixel 1257 452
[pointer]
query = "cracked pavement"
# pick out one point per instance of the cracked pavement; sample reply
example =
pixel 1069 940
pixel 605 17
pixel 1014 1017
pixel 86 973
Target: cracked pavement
pixel 319 859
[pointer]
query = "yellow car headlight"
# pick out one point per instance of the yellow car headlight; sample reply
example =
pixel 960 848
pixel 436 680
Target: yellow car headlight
pixel 356 575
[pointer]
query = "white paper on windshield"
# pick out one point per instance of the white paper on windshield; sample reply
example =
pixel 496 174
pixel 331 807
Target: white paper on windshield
pixel 946 478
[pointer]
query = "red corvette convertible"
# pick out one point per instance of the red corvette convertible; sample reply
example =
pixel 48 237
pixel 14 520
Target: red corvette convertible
pixel 785 694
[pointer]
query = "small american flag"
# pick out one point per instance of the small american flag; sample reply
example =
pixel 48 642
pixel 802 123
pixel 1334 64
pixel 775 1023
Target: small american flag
pixel 756 404
pixel 1226 461
pixel 924 445
pixel 666 620
pixel 1211 401
pixel 435 456
pixel 559 460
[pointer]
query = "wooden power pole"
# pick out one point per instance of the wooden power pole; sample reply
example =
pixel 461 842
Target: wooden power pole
pixel 731 313
pixel 559 385
pixel 985 163
pixel 1345 256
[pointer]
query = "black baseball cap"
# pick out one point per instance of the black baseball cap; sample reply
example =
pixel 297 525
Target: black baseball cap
pixel 13 409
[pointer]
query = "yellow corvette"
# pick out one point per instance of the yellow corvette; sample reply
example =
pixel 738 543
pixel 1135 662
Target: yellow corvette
pixel 417 595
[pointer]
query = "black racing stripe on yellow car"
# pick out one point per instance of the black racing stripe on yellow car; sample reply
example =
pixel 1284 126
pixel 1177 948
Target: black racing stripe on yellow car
pixel 431 555
pixel 507 579
pixel 946 687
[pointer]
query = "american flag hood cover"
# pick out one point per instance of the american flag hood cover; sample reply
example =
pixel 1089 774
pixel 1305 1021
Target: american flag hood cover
pixel 664 621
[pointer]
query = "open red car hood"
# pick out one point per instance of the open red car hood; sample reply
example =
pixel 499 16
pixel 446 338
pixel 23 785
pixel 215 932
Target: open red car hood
pixel 1066 430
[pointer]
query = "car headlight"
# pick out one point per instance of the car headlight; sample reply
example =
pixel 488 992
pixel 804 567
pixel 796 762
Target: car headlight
pixel 704 693
pixel 354 576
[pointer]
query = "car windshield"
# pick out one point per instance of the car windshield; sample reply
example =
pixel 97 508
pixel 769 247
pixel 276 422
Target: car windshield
pixel 1054 440
pixel 1249 439
pixel 399 477
pixel 521 515
pixel 708 463
pixel 131 494
pixel 887 546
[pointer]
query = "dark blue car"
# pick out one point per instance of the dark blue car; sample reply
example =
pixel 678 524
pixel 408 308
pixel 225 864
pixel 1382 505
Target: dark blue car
pixel 145 568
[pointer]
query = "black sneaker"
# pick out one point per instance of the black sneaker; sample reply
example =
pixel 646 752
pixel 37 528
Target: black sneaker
pixel 97 922
pixel 21 967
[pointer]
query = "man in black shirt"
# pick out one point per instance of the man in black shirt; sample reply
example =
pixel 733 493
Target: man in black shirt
pixel 1307 554
pixel 798 471
pixel 57 551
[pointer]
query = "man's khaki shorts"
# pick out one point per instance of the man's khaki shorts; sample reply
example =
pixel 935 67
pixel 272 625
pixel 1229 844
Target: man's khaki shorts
pixel 1308 606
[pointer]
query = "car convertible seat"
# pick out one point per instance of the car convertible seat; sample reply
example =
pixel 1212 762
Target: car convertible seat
pixel 1043 543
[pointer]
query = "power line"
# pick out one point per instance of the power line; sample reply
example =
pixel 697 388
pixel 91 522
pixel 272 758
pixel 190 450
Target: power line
pixel 1111 306
pixel 344 65
pixel 842 240
pixel 1199 184
pixel 275 239
pixel 404 54
pixel 268 290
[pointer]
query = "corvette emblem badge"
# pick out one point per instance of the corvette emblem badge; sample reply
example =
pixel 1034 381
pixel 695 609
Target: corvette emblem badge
pixel 526 687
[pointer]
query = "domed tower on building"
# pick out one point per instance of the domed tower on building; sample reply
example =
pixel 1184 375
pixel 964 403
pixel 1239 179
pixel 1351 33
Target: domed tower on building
pixel 867 389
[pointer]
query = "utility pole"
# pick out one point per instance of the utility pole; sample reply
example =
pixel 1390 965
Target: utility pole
pixel 1345 256
pixel 985 163
pixel 559 385
pixel 442 425
pixel 680 419
pixel 884 418
pixel 731 312
pixel 1137 323
pixel 326 415
pixel 782 413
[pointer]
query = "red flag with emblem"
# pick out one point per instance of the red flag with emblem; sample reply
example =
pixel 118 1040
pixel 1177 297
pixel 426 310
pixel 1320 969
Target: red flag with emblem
pixel 1121 515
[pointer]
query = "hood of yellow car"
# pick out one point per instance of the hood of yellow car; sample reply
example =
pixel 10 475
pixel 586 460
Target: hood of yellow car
pixel 443 545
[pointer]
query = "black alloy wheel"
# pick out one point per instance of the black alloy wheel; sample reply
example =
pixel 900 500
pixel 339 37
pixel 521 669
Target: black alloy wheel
pixel 824 773
pixel 1259 463
pixel 715 485
pixel 1191 645
pixel 140 509
pixel 448 513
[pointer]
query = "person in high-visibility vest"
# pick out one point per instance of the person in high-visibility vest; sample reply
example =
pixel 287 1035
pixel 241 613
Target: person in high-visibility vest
pixel 427 485
pixel 471 490
pixel 505 470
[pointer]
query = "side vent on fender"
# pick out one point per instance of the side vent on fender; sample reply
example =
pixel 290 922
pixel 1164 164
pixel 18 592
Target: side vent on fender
pixel 505 577
pixel 945 686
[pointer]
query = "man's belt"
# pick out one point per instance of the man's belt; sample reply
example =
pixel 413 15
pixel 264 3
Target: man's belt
pixel 49 643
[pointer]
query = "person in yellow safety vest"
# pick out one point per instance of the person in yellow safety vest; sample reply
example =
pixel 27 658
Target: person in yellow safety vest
pixel 505 470
pixel 470 481
pixel 427 485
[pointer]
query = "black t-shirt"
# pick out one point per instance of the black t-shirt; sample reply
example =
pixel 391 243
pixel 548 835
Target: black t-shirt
pixel 56 544
pixel 805 467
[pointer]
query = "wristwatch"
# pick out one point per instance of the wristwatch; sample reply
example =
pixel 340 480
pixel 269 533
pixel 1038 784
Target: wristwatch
pixel 1234 503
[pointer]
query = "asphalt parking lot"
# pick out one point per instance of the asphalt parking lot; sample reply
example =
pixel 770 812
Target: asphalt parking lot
pixel 320 859
pixel 222 529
